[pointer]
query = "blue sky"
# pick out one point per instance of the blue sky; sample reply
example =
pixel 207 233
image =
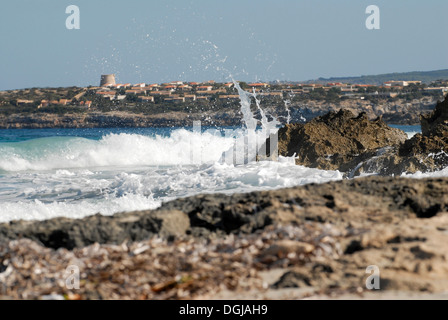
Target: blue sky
pixel 198 40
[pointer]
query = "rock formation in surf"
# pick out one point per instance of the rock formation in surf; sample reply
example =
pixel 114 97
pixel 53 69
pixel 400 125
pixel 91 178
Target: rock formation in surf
pixel 337 140
pixel 354 145
pixel 438 116
pixel 425 152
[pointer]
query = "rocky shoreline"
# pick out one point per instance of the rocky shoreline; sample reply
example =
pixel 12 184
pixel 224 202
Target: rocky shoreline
pixel 315 241
pixel 398 112
pixel 115 120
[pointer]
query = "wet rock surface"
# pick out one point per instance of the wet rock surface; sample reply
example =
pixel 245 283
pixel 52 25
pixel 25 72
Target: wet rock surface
pixel 71 233
pixel 313 240
pixel 337 140
pixel 425 152
pixel 354 145
pixel 431 120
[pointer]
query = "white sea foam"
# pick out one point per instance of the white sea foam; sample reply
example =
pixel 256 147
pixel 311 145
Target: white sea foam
pixel 411 134
pixel 113 150
pixel 78 192
pixel 39 210
pixel 420 175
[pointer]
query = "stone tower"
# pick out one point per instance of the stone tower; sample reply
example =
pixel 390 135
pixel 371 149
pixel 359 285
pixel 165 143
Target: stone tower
pixel 107 79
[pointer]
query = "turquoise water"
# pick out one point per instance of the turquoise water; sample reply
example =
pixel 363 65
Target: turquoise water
pixel 17 135
pixel 410 130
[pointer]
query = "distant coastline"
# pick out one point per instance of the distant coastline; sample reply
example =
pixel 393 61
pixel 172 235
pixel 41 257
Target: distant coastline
pixel 122 119
pixel 178 104
pixel 170 119
pixel 109 120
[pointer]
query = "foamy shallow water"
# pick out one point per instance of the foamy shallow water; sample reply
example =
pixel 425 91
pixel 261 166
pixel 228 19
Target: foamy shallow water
pixel 76 173
pixel 75 177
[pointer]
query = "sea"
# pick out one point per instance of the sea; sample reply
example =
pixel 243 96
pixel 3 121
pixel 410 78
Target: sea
pixel 47 173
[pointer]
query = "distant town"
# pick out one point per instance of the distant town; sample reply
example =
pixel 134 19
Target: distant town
pixel 179 92
pixel 179 103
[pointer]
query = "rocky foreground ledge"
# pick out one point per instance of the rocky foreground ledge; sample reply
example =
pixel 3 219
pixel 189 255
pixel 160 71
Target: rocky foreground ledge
pixel 309 241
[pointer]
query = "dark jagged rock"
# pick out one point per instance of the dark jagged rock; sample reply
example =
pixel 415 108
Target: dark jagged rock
pixel 72 233
pixel 439 116
pixel 431 144
pixel 355 145
pixel 337 140
pixel 425 152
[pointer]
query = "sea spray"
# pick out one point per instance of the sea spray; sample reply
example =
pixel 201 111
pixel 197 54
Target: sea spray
pixel 288 117
pixel 251 145
pixel 245 102
pixel 287 105
pixel 265 123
